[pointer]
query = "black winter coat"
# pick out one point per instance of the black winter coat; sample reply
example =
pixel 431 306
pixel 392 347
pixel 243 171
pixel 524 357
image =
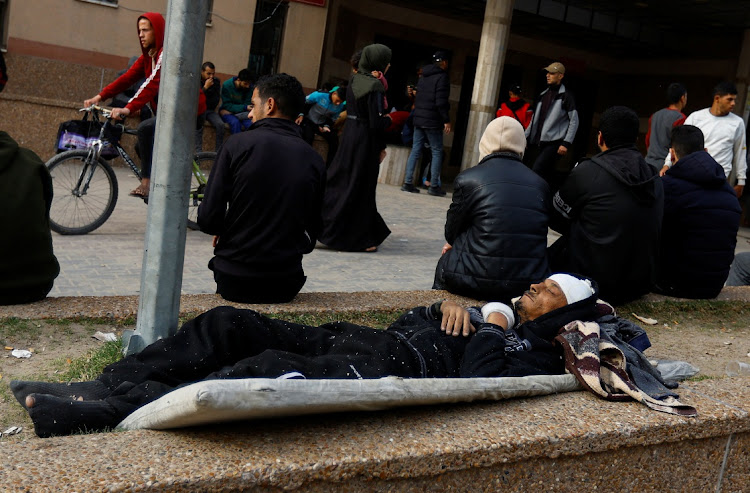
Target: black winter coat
pixel 431 108
pixel 263 200
pixel 699 231
pixel 609 211
pixel 497 225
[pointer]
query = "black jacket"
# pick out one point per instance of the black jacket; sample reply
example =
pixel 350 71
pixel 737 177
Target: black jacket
pixel 263 200
pixel 609 211
pixel 213 94
pixel 431 108
pixel 699 233
pixel 27 264
pixel 497 225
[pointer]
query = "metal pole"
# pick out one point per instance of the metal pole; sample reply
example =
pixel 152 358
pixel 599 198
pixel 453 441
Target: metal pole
pixel 164 252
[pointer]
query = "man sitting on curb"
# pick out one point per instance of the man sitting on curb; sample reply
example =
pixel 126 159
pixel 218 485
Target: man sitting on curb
pixel 701 219
pixel 496 227
pixel 237 102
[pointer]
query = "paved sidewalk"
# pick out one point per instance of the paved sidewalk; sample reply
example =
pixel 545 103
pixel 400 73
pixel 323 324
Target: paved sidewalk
pixel 108 261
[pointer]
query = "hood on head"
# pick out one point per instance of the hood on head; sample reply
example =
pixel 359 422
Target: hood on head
pixel 157 22
pixel 374 57
pixel 502 134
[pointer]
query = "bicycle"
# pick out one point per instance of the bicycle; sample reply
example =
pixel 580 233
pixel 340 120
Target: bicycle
pixel 85 185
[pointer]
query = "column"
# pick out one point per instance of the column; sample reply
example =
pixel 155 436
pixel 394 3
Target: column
pixel 492 47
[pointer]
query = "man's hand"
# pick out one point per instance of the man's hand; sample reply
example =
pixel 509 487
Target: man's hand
pixel 324 129
pixel 447 128
pixel 216 241
pixel 562 150
pixel 299 119
pixel 664 170
pixel 209 82
pixel 120 113
pixel 446 247
pixel 89 102
pixel 738 190
pixel 456 321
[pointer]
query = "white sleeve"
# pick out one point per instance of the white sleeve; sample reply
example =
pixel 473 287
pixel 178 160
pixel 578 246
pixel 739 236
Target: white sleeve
pixel 739 162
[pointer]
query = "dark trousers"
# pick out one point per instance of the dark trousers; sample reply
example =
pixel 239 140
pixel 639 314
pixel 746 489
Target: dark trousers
pixel 309 129
pixel 146 130
pixel 271 289
pixel 25 295
pixel 544 160
pixel 226 343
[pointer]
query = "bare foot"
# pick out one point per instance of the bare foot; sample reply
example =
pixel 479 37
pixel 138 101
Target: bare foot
pixel 30 402
pixel 371 249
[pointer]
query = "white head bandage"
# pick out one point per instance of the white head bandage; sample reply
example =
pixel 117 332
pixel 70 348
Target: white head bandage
pixel 573 288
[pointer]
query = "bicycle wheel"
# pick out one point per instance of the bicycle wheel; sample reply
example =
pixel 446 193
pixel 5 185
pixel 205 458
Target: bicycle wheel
pixel 84 192
pixel 198 180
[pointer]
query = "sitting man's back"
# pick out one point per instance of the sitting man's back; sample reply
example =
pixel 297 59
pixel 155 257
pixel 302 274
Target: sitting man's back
pixel 263 200
pixel 496 227
pixel 28 267
pixel 701 219
pixel 609 211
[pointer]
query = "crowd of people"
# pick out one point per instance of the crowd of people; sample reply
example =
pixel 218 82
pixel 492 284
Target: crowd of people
pixel 628 226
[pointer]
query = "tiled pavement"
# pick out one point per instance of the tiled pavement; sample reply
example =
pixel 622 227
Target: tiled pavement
pixel 108 261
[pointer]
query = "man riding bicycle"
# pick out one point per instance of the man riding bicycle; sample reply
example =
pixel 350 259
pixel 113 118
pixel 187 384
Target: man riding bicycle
pixel 151 35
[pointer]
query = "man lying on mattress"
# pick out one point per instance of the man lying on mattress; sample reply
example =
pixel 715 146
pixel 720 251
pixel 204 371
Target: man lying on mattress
pixel 443 340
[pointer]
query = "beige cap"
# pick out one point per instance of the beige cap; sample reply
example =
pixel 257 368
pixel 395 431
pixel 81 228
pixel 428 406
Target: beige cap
pixel 555 68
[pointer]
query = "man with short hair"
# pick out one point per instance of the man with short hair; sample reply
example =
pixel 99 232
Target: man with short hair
pixel 662 122
pixel 609 211
pixel 263 200
pixel 236 101
pixel 553 125
pixel 443 340
pixel 496 226
pixel 724 134
pixel 701 219
pixel 431 120
pixel 151 27
pixel 211 87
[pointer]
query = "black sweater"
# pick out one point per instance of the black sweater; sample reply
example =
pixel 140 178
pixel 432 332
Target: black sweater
pixel 263 200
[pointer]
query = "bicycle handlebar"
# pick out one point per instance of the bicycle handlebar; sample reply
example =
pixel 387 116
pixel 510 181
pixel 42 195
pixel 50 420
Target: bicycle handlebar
pixel 106 112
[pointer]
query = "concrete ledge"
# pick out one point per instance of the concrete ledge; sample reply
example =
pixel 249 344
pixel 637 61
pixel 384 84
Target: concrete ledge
pixel 393 167
pixel 552 443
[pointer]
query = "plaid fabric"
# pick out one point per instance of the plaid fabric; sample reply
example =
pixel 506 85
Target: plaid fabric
pixel 600 366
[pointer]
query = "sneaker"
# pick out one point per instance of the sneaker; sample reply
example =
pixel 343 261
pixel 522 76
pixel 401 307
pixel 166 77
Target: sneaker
pixel 408 187
pixel 436 191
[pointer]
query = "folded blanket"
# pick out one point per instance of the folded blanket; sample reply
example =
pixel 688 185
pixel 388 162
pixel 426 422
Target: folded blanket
pixel 600 366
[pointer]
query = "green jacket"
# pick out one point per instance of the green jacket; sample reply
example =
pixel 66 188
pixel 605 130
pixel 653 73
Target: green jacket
pixel 27 263
pixel 235 100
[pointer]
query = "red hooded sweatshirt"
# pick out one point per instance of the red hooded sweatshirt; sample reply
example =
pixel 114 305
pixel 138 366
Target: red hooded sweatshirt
pixel 148 67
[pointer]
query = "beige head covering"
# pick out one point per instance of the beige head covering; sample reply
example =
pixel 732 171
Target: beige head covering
pixel 502 134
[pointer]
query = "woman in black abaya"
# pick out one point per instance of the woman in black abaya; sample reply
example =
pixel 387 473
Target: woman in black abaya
pixel 351 221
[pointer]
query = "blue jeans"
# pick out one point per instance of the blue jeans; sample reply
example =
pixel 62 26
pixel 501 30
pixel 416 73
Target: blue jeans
pixel 237 123
pixel 435 138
